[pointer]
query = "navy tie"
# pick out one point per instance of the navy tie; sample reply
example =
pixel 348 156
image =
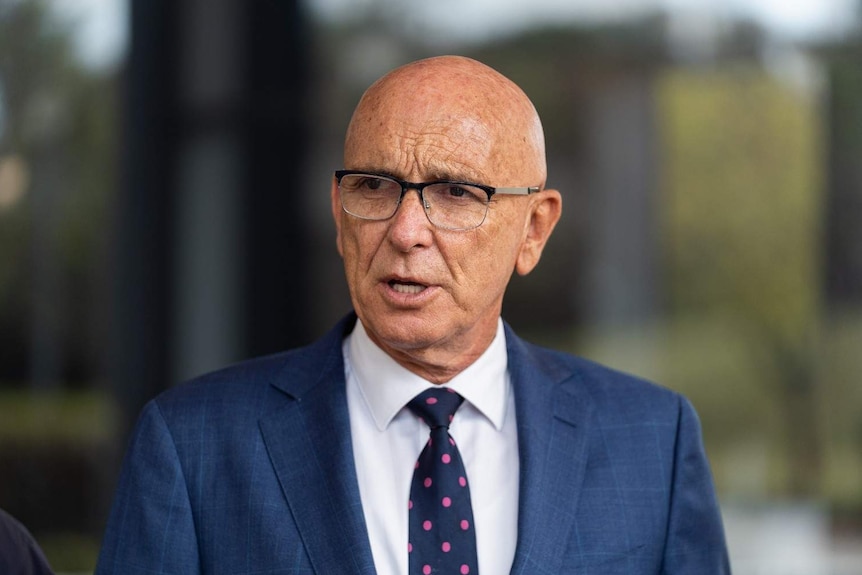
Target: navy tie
pixel 442 537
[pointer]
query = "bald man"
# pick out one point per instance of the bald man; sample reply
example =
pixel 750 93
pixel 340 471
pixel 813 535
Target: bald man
pixel 421 435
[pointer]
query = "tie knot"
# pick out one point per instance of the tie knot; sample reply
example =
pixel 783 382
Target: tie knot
pixel 436 406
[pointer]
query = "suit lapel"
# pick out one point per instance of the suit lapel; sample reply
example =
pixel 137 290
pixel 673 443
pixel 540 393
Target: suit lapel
pixel 309 445
pixel 553 414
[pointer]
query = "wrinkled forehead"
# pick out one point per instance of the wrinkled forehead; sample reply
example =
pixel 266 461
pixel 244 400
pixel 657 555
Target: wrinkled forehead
pixel 441 121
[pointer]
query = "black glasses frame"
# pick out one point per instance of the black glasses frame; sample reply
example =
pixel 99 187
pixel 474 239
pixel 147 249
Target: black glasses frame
pixel 420 186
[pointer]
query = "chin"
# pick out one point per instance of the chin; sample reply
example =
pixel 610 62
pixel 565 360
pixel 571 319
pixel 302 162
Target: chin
pixel 401 331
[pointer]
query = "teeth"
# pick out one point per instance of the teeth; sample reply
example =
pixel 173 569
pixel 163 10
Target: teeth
pixel 407 288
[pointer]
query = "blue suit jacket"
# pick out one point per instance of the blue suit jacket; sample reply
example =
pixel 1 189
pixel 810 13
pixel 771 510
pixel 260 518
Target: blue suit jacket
pixel 250 470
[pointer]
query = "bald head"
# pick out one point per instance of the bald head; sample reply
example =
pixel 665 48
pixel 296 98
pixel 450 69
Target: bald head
pixel 431 296
pixel 448 116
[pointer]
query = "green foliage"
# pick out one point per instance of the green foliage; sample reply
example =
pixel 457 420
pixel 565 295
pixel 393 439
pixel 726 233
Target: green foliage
pixel 57 417
pixel 36 64
pixel 59 124
pixel 841 406
pixel 742 199
pixel 742 184
pixel 70 552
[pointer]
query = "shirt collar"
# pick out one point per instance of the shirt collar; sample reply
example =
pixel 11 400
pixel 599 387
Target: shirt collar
pixel 386 386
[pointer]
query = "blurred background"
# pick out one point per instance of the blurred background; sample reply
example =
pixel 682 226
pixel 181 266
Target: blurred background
pixel 164 176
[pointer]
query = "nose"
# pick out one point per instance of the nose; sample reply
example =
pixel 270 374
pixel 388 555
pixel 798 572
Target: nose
pixel 410 226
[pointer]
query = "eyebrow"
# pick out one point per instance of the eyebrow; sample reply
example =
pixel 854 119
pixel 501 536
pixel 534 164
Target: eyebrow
pixel 450 177
pixel 455 176
pixel 436 176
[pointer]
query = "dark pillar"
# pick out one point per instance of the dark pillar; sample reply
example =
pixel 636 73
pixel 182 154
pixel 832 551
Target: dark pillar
pixel 211 262
pixel 844 200
pixel 278 267
pixel 139 347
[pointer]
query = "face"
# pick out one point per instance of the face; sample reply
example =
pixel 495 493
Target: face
pixel 431 297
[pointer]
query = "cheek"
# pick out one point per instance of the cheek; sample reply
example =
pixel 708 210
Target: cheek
pixel 358 243
pixel 488 263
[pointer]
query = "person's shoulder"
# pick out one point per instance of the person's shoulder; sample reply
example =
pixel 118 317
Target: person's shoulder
pixel 612 391
pixel 236 379
pixel 232 393
pixel 19 552
pixel 253 386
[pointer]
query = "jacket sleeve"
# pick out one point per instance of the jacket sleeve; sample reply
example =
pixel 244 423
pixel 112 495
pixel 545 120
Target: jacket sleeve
pixel 151 527
pixel 695 538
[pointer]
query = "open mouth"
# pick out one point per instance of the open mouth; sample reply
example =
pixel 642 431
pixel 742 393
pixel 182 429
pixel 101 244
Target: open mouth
pixel 406 287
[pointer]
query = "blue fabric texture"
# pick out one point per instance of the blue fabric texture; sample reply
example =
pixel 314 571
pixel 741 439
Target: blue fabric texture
pixel 250 470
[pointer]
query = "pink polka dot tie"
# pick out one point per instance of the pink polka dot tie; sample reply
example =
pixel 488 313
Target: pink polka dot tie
pixel 442 539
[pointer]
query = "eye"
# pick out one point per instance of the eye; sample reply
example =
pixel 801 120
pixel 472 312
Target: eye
pixel 371 183
pixel 460 192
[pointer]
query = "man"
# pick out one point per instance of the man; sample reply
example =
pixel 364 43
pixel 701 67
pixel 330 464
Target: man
pixel 304 462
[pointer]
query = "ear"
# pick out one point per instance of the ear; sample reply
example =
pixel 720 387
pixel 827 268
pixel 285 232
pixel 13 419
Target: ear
pixel 545 209
pixel 337 212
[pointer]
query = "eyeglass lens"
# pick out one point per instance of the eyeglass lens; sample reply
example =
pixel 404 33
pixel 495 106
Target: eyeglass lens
pixel 447 205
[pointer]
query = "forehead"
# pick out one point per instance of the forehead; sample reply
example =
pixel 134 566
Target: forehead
pixel 434 126
pixel 430 146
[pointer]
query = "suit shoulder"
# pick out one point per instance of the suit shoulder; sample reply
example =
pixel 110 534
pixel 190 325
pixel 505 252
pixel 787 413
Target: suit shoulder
pixel 238 377
pixel 240 391
pixel 612 391
pixel 251 388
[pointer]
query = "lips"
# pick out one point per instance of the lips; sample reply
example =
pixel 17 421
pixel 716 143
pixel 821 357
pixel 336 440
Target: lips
pixel 406 287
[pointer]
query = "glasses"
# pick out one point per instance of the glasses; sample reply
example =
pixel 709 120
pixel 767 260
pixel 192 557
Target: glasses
pixel 449 205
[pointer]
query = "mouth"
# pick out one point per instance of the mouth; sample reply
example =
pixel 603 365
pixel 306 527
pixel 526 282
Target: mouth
pixel 407 287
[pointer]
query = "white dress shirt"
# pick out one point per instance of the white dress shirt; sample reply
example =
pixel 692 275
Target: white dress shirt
pixel 387 439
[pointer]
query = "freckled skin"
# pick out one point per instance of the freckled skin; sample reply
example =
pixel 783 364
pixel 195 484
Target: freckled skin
pixel 455 118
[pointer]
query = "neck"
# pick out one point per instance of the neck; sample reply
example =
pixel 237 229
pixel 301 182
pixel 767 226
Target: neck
pixel 437 363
